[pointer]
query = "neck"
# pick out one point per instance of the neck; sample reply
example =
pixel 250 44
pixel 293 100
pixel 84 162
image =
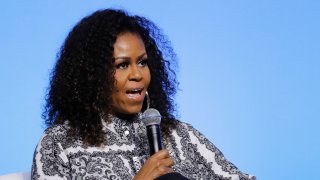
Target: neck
pixel 128 117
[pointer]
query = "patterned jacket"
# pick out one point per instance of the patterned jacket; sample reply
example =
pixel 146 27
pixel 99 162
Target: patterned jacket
pixel 127 148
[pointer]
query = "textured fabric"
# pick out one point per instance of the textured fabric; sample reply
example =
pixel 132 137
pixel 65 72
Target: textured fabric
pixel 127 148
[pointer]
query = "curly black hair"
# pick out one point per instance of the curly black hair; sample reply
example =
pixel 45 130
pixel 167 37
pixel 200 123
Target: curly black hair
pixel 82 80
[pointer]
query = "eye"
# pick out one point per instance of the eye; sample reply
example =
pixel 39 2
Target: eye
pixel 123 65
pixel 143 62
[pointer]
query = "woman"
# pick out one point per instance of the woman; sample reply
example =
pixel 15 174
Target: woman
pixel 108 63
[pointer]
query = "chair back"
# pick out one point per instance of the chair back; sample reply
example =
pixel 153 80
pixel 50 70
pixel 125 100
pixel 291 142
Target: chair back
pixel 16 176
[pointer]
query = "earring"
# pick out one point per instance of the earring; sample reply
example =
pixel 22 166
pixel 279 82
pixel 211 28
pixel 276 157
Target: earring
pixel 148 99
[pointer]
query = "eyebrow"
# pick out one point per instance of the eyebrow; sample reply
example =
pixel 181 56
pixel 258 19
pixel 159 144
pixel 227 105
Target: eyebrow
pixel 126 58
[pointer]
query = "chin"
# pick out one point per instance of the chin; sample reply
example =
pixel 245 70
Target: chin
pixel 134 111
pixel 130 110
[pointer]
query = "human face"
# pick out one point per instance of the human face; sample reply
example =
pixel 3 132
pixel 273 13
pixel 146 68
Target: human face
pixel 132 75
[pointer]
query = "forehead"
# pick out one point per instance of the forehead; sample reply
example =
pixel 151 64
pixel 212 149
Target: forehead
pixel 128 42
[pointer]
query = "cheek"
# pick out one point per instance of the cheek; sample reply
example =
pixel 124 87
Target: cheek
pixel 119 81
pixel 118 102
pixel 118 86
pixel 148 77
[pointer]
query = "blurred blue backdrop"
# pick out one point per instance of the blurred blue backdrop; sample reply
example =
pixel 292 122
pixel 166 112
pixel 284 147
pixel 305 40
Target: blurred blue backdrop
pixel 249 76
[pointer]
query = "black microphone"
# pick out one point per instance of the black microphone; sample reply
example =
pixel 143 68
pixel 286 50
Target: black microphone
pixel 152 118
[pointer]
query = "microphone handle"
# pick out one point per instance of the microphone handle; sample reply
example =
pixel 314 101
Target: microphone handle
pixel 154 138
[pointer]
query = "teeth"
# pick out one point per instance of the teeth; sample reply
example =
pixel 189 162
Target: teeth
pixel 136 91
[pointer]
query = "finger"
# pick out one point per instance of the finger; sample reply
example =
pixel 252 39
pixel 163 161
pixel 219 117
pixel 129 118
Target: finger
pixel 168 162
pixel 161 170
pixel 161 154
pixel 166 170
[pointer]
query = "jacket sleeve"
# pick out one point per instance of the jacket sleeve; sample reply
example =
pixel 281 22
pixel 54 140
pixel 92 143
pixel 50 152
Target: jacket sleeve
pixel 50 161
pixel 212 157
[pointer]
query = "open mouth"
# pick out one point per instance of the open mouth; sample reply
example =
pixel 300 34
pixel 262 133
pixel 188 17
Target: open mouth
pixel 134 91
pixel 135 94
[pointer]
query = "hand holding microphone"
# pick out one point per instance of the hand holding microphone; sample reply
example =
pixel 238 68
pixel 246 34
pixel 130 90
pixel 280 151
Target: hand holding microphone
pixel 158 166
pixel 159 162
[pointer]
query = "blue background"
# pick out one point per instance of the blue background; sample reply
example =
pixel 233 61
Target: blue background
pixel 249 75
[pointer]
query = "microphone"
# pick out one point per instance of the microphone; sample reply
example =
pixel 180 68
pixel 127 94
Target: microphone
pixel 152 118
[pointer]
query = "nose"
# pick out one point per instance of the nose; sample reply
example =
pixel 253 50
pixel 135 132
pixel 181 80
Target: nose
pixel 135 74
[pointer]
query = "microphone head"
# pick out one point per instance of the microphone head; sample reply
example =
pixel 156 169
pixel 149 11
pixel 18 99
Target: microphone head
pixel 151 116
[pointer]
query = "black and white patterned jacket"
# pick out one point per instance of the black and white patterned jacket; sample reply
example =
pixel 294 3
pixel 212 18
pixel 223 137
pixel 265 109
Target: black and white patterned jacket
pixel 127 148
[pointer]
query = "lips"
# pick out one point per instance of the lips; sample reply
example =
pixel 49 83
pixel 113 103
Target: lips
pixel 135 94
pixel 134 91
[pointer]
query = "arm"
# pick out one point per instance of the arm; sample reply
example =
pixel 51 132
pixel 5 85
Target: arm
pixel 50 161
pixel 220 165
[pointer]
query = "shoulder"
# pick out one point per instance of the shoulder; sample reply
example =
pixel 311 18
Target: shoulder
pixel 184 127
pixel 56 130
pixel 54 134
pixel 187 132
pixel 191 135
pixel 181 124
